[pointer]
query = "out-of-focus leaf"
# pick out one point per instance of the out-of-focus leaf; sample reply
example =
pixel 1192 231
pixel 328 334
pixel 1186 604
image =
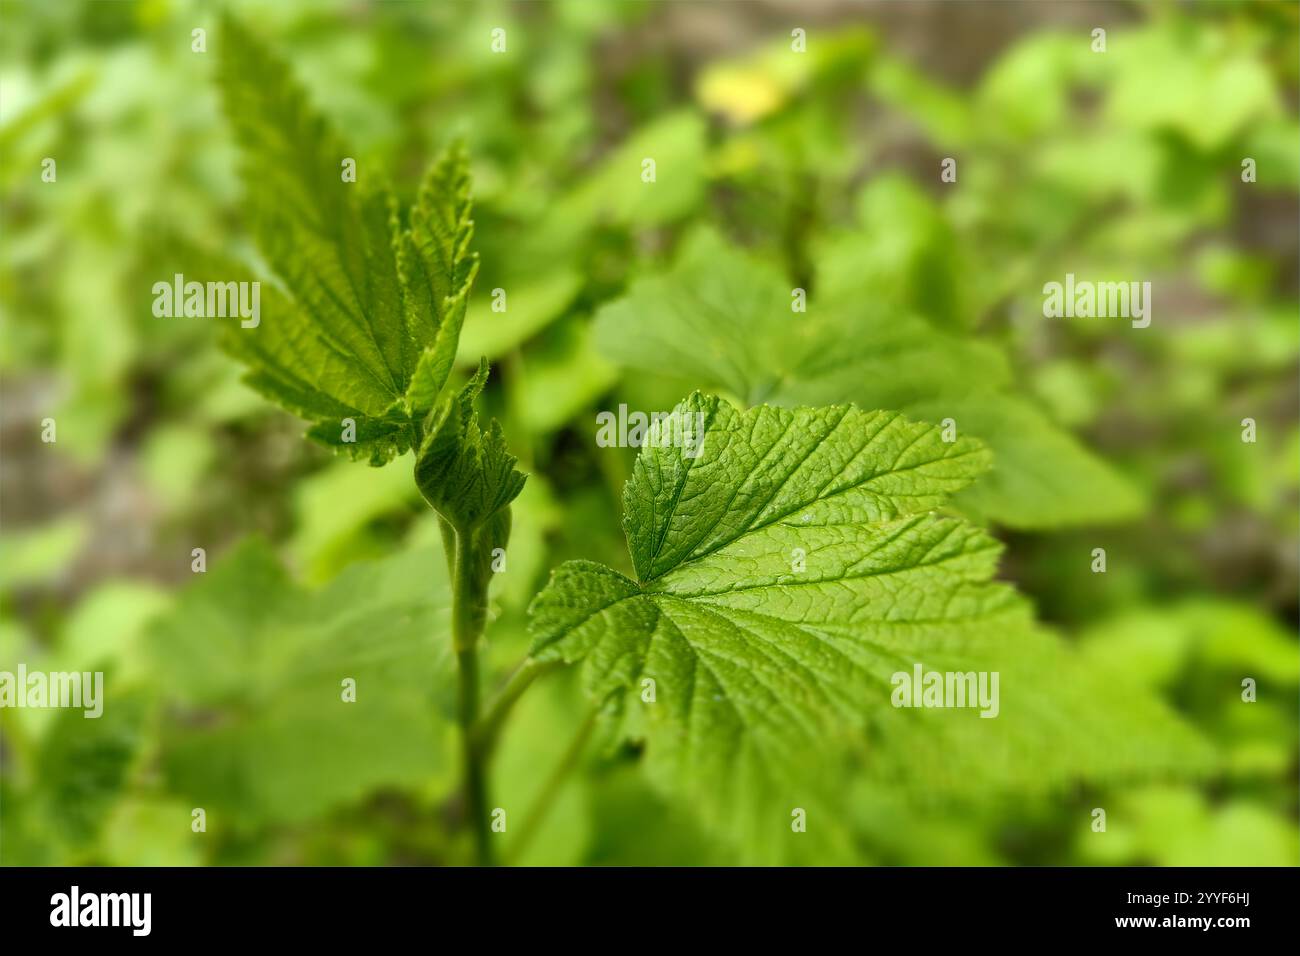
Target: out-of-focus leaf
pixel 38 554
pixel 175 460
pixel 333 505
pixel 562 378
pixel 721 318
pixel 103 631
pixel 1156 643
pixel 616 192
pixel 1042 476
pixel 253 670
pixel 530 307
pixel 942 113
pixel 1175 826
pixel 152 832
pixel 84 762
pixel 1167 80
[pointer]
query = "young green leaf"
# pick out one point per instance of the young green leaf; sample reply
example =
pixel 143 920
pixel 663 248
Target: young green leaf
pixel 469 478
pixel 464 472
pixel 437 270
pixel 363 339
pixel 783 577
pixel 777 575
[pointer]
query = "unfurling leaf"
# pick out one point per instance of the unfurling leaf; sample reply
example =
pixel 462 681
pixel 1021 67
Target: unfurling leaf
pixel 465 473
pixel 437 270
pixel 365 329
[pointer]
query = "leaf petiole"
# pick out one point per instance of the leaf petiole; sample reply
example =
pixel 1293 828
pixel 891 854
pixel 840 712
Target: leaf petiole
pixel 546 797
pixel 467 628
pixel 488 728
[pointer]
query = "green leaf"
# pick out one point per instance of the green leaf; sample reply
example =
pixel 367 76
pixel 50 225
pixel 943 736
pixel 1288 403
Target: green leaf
pixel 722 319
pixel 33 555
pixel 437 271
pixel 1208 91
pixel 561 379
pixel 943 114
pixel 84 764
pixel 783 577
pixel 534 303
pixel 905 256
pixel 337 508
pixel 254 666
pixel 1025 93
pixel 1042 476
pixel 469 478
pixel 754 662
pixel 365 322
pixel 465 473
pixel 1178 826
pixel 616 191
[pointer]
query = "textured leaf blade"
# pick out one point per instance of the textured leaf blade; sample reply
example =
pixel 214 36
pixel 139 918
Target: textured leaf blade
pixel 814 467
pixel 757 665
pixel 329 240
pixel 464 472
pixel 437 270
pixel 361 328
pixel 783 578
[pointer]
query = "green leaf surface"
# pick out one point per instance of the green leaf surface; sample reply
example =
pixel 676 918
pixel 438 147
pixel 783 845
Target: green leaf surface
pixel 531 306
pixel 437 270
pixel 364 321
pixel 1177 826
pixel 84 763
pixel 334 507
pixel 783 577
pixel 1205 91
pixel 464 472
pixel 254 669
pixel 617 192
pixel 722 319
pixel 1042 476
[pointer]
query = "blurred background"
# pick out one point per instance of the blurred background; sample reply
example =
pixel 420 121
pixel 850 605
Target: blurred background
pixel 819 168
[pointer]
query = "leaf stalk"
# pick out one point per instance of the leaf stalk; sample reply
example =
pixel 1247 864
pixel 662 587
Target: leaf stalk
pixel 469 604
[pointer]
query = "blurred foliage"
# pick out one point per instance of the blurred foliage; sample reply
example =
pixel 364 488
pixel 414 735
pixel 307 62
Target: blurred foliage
pixel 774 170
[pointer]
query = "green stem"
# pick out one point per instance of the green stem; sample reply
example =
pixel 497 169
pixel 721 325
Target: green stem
pixel 545 798
pixel 489 726
pixel 468 608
